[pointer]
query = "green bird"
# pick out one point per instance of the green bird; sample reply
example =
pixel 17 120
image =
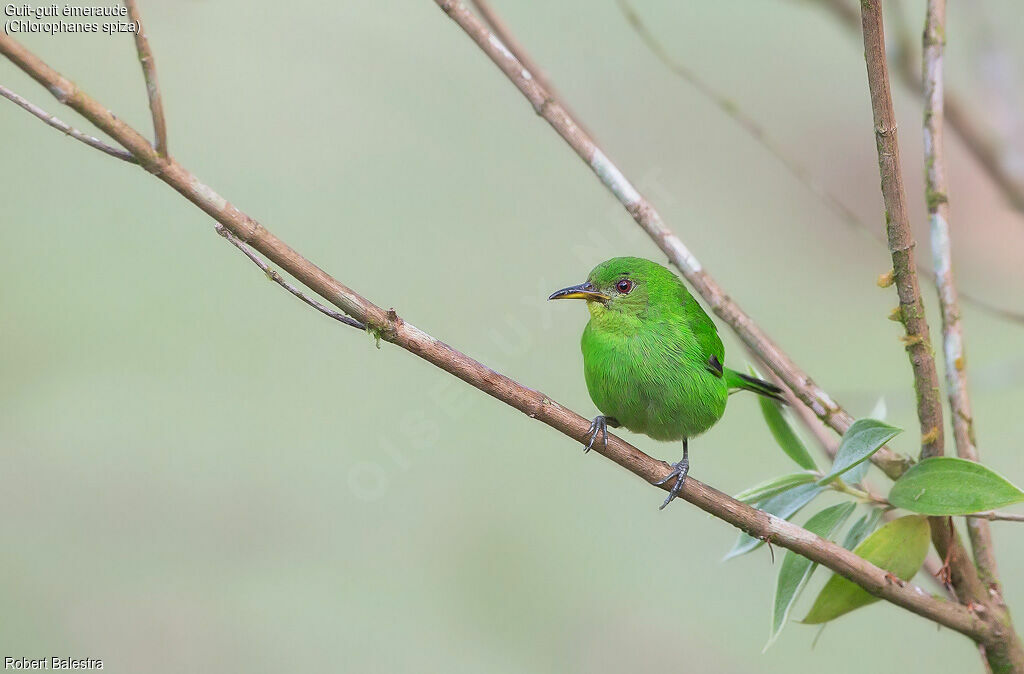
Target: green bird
pixel 652 357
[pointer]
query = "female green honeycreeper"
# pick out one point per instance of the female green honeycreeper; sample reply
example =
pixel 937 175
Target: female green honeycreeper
pixel 652 358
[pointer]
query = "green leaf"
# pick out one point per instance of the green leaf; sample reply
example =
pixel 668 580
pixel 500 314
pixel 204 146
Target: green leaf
pixel 784 434
pixel 861 528
pixel 857 473
pixel 783 505
pixel 796 569
pixel 949 486
pixel 862 439
pixel 899 547
pixel 776 485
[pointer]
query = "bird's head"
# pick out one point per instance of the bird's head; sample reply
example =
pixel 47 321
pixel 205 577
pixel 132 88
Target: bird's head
pixel 627 286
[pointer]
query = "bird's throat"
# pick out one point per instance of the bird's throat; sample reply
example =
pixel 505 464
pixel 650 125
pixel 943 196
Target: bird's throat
pixel 608 320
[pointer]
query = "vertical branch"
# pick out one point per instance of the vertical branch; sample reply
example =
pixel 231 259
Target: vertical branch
pixel 156 104
pixel 901 241
pixel 958 567
pixel 938 216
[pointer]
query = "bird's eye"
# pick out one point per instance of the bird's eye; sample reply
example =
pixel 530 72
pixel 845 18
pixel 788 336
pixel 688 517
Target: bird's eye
pixel 624 286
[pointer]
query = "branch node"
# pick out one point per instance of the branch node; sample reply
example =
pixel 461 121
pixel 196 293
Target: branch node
pixel 910 341
pixel 885 131
pixel 893 579
pixel 542 107
pixel 934 198
pixel 394 321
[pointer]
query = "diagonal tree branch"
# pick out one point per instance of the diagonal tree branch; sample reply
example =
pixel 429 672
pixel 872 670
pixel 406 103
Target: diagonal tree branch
pixel 501 30
pixel 936 192
pixel 389 326
pixel 758 133
pixel 962 572
pixel 49 119
pixel 156 104
pixel 650 221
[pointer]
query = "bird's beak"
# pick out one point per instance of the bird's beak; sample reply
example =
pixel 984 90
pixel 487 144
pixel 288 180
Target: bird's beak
pixel 583 291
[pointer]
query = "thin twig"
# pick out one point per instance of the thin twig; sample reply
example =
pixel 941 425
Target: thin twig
pixel 761 136
pixel 65 128
pixel 976 139
pixel 748 123
pixel 936 192
pixel 274 276
pixel 390 327
pixel 996 516
pixel 651 222
pixel 156 105
pixel 866 494
pixel 901 239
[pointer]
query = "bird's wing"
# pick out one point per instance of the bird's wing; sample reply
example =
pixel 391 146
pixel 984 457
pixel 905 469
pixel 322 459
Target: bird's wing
pixel 706 334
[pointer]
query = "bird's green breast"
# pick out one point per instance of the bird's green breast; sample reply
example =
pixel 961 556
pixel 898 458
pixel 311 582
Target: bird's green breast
pixel 651 375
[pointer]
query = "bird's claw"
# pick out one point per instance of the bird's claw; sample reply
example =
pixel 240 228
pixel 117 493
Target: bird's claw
pixel 679 471
pixel 598 426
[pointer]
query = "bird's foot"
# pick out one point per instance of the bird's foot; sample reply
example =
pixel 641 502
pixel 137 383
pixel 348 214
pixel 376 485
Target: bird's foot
pixel 599 426
pixel 679 471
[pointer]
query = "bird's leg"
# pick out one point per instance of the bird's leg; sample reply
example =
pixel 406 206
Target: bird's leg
pixel 600 425
pixel 679 471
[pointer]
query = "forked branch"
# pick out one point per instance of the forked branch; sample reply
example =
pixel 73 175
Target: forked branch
pixel 390 327
pixel 156 103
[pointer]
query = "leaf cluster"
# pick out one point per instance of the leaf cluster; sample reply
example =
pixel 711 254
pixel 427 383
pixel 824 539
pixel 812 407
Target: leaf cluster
pixel 940 486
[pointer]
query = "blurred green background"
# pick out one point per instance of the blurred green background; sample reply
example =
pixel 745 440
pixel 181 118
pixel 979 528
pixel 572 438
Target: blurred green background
pixel 199 473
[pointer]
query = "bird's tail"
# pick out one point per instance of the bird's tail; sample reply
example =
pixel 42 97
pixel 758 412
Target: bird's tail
pixel 737 380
